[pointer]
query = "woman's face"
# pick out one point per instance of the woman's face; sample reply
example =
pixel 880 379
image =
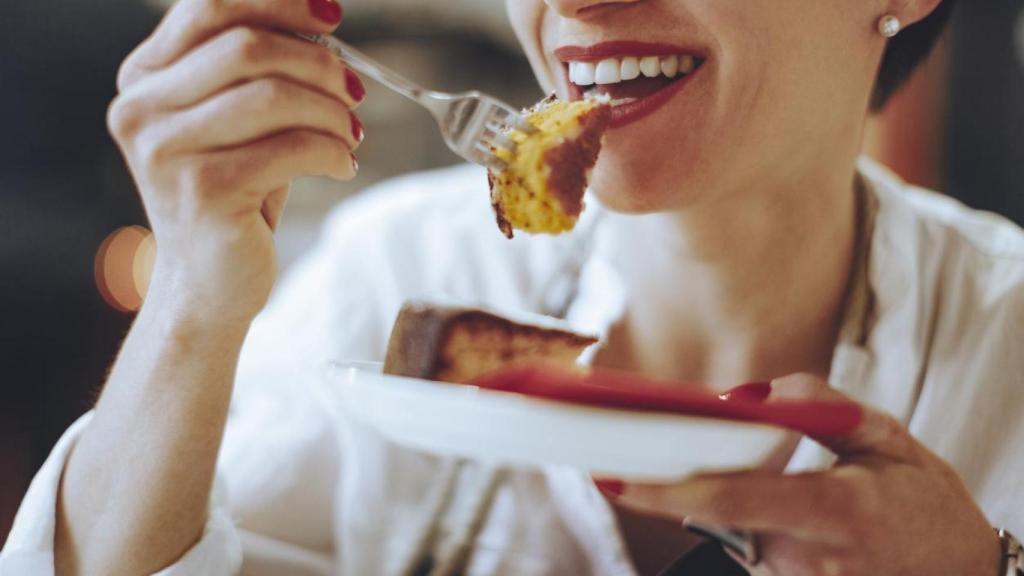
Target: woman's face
pixel 778 95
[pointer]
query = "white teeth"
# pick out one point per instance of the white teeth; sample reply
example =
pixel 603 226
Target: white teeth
pixel 607 72
pixel 630 68
pixel 686 64
pixel 614 70
pixel 582 73
pixel 650 66
pixel 670 66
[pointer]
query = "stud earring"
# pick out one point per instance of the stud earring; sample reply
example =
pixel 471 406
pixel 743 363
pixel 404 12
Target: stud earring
pixel 889 26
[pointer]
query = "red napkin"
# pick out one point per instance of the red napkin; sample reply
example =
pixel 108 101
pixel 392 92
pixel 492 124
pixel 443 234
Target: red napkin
pixel 625 391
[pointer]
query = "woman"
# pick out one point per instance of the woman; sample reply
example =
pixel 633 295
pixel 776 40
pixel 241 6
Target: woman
pixel 747 244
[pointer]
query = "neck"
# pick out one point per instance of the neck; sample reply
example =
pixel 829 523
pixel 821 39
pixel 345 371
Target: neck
pixel 745 287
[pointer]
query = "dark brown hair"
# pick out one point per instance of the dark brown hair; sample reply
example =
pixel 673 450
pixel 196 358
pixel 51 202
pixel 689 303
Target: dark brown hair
pixel 906 51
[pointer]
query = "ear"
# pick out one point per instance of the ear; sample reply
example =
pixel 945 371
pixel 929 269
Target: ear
pixel 913 11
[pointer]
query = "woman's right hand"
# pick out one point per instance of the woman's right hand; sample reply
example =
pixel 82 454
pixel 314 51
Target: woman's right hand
pixel 219 110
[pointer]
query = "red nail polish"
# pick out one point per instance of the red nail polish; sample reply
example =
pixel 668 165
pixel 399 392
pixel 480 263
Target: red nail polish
pixel 357 127
pixel 328 11
pixel 613 488
pixel 756 392
pixel 354 85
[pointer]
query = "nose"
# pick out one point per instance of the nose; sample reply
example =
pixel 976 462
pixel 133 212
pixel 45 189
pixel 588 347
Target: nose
pixel 578 8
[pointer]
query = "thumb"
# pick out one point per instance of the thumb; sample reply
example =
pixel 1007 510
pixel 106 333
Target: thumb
pixel 877 435
pixel 273 207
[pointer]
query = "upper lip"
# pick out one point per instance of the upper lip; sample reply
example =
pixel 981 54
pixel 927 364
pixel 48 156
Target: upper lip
pixel 620 48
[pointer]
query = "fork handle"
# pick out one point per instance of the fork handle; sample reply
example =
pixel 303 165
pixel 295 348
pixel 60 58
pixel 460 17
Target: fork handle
pixel 368 66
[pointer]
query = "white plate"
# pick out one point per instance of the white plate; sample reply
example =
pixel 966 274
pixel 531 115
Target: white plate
pixel 518 430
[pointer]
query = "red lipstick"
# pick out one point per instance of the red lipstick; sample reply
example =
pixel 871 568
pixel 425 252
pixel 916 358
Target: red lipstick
pixel 619 48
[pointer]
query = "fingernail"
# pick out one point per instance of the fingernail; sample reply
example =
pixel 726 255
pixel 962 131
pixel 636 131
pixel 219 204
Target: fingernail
pixel 355 163
pixel 354 85
pixel 328 11
pixel 755 392
pixel 613 488
pixel 357 127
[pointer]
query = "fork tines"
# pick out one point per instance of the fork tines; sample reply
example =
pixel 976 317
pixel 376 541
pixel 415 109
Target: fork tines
pixel 495 134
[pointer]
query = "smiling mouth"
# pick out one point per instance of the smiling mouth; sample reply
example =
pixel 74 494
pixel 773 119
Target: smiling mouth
pixel 637 84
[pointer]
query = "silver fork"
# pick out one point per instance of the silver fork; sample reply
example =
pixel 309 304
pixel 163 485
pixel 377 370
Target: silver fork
pixel 471 122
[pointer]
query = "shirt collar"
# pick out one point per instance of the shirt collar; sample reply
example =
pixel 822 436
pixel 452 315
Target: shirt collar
pixel 879 356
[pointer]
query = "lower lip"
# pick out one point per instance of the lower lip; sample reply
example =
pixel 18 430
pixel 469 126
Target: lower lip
pixel 625 114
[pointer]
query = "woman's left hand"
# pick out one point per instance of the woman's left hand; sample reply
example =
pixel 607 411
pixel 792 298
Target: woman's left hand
pixel 889 506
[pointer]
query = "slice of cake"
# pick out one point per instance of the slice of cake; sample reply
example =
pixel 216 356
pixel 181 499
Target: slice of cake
pixel 541 189
pixel 457 344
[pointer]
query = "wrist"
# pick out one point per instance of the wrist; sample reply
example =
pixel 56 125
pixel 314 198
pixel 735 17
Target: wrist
pixel 182 322
pixel 181 305
pixel 179 360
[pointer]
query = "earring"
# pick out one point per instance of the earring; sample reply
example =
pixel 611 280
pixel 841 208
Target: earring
pixel 889 26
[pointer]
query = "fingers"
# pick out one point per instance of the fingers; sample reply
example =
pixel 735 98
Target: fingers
pixel 252 178
pixel 812 507
pixel 271 164
pixel 254 111
pixel 240 55
pixel 878 435
pixel 192 22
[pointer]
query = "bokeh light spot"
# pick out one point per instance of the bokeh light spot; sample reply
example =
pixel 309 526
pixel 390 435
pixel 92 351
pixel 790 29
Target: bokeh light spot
pixel 123 265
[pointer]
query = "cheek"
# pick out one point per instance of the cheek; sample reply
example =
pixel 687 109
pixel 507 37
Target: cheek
pixel 521 13
pixel 548 71
pixel 533 28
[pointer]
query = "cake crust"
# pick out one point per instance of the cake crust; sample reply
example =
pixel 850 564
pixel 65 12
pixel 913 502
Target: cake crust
pixel 458 344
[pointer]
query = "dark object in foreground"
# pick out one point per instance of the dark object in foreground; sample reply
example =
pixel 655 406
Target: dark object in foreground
pixel 708 559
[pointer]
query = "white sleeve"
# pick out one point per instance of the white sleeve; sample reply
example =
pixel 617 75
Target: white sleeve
pixel 29 547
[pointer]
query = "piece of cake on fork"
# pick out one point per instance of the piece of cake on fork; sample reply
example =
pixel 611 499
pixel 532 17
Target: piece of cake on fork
pixel 542 185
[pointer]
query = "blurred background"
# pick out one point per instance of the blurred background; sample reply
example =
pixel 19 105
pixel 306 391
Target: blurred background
pixel 72 236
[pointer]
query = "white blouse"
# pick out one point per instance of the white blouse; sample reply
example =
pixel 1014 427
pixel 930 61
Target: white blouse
pixel 936 340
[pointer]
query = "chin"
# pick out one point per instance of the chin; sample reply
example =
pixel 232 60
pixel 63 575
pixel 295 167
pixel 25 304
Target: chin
pixel 643 185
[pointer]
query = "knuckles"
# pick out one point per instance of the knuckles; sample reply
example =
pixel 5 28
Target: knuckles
pixel 248 47
pixel 151 152
pixel 215 10
pixel 890 428
pixel 298 142
pixel 325 62
pixel 839 495
pixel 326 155
pixel 267 94
pixel 129 123
pixel 200 178
pixel 125 74
pixel 720 501
pixel 124 119
pixel 863 512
